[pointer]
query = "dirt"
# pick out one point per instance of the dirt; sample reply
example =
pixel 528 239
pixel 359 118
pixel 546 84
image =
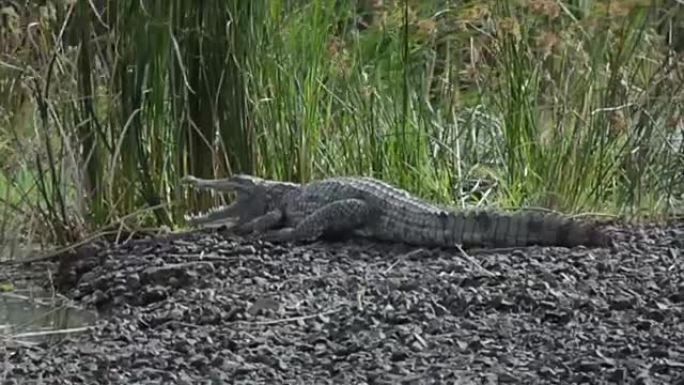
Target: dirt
pixel 209 309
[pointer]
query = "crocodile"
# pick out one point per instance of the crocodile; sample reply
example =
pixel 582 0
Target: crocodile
pixel 370 208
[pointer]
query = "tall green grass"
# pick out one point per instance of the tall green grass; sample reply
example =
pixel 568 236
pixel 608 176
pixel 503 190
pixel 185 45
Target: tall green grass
pixel 564 105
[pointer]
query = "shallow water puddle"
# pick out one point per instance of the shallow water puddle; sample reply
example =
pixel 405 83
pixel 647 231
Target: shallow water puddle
pixel 30 316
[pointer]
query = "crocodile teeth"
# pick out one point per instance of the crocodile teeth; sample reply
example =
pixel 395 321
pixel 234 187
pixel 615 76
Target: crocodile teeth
pixel 203 214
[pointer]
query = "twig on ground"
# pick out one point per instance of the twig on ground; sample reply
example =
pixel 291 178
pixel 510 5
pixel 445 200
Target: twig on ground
pixel 290 319
pixel 474 262
pixel 47 333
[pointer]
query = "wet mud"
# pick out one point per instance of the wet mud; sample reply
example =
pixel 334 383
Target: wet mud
pixel 207 308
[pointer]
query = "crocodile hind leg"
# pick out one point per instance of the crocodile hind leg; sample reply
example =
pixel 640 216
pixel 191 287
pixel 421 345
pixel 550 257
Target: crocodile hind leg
pixel 339 216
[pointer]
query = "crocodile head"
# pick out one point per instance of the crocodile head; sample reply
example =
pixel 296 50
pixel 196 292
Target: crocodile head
pixel 254 197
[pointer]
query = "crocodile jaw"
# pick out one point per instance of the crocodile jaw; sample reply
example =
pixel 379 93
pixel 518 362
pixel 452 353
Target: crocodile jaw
pixel 214 217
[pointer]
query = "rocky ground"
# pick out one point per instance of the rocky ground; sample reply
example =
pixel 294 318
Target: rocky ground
pixel 209 309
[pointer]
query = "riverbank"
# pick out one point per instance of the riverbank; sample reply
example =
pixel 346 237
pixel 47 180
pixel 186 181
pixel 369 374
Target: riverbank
pixel 202 307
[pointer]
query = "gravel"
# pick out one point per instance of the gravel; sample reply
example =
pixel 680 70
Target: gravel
pixel 207 308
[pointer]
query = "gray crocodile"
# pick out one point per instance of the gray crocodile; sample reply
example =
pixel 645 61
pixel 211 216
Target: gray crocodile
pixel 370 208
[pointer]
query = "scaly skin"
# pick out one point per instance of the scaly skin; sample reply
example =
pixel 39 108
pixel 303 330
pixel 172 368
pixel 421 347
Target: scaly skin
pixel 373 209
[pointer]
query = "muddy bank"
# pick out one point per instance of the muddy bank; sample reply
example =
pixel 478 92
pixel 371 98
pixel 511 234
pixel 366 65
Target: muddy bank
pixel 204 307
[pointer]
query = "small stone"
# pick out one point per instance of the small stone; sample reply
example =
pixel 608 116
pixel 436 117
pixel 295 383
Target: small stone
pixel 622 303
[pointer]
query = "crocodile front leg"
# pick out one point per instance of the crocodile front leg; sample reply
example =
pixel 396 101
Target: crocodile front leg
pixel 261 224
pixel 339 216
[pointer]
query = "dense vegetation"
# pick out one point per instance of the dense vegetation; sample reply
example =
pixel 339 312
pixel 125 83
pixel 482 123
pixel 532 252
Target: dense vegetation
pixel 570 105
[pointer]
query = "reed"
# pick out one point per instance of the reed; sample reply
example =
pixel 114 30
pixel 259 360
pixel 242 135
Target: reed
pixel 568 105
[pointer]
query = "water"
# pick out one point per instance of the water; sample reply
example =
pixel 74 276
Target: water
pixel 28 316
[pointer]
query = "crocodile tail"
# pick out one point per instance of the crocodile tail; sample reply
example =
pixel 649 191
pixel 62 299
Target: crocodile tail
pixel 526 228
